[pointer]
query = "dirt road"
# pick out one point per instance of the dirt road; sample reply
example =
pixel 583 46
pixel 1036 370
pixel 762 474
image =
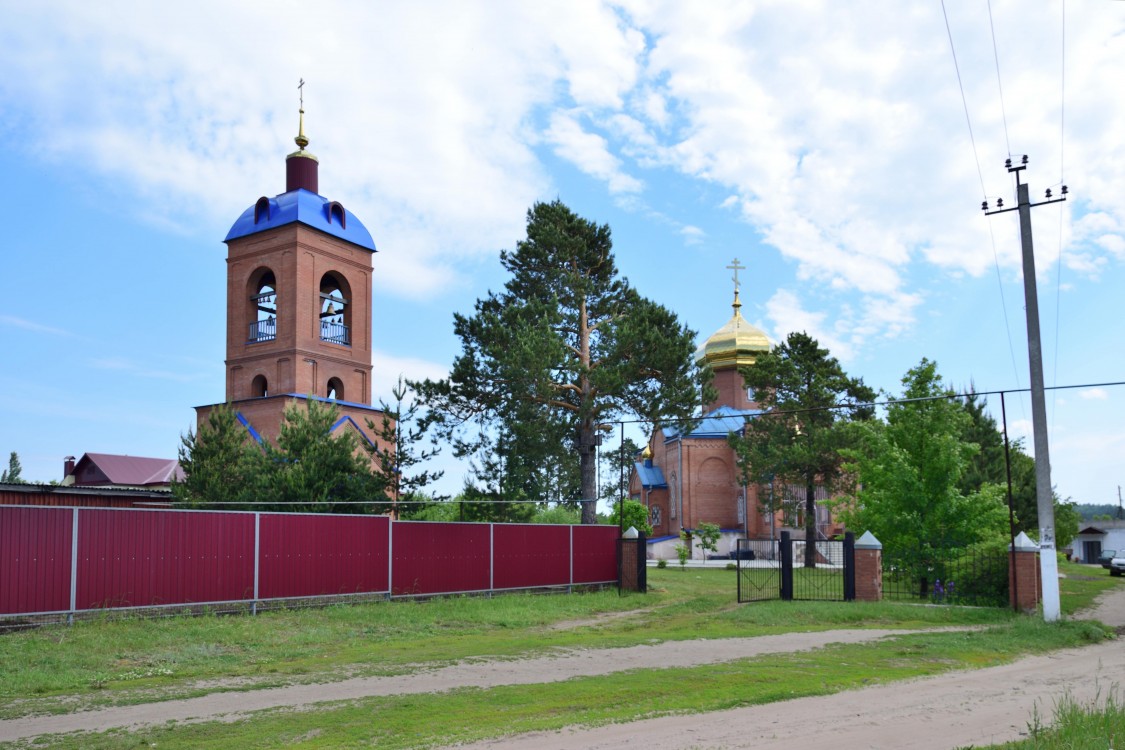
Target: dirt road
pixel 972 707
pixel 978 707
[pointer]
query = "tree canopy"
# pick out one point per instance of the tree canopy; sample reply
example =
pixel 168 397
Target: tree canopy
pixel 908 469
pixel 13 474
pixel 308 469
pixel 567 347
pixel 806 396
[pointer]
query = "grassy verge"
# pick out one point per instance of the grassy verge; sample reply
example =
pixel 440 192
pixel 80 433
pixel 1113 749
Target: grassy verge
pixel 1074 726
pixel 120 661
pixel 428 720
pixel 1081 585
pixel 117 661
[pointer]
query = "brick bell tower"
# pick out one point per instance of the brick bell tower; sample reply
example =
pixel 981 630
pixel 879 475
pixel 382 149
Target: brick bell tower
pixel 299 270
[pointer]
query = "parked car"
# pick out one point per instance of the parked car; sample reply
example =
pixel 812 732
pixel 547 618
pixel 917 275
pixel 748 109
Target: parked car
pixel 1106 556
pixel 1117 566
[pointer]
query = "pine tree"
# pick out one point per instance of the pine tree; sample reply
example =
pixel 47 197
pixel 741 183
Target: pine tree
pixel 565 349
pixel 218 462
pixel 400 429
pixel 12 474
pixel 807 397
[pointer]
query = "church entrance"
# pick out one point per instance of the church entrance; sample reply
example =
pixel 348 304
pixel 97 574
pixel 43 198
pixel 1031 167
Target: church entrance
pixel 780 569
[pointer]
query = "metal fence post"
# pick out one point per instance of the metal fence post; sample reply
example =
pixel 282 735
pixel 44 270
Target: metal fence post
pixel 786 567
pixel 257 559
pixel 73 567
pixel 849 566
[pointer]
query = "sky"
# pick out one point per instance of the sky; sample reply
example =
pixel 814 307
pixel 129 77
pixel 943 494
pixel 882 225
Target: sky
pixel 840 151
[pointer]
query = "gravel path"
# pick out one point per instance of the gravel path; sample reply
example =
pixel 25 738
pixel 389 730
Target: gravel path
pixel 962 708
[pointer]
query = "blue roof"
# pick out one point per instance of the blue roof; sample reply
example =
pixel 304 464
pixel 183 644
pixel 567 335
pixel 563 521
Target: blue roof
pixel 651 476
pixel 716 424
pixel 307 208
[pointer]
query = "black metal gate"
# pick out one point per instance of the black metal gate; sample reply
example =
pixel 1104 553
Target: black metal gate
pixel 789 569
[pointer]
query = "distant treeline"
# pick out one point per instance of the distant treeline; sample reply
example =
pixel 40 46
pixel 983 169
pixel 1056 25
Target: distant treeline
pixel 1100 512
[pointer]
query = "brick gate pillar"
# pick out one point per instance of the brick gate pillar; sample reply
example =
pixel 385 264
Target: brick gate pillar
pixel 1025 586
pixel 868 568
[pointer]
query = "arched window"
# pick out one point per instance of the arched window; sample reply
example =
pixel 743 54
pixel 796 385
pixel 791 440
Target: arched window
pixel 335 310
pixel 263 306
pixel 259 388
pixel 335 389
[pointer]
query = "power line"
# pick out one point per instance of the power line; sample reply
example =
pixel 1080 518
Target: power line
pixel 980 174
pixel 1062 179
pixel 999 85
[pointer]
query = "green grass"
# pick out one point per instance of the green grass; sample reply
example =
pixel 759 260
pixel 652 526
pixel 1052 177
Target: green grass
pixel 1082 584
pixel 1098 726
pixel 125 660
pixel 115 660
pixel 465 715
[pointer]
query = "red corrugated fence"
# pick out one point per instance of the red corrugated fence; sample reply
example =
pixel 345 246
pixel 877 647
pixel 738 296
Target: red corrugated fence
pixel 58 560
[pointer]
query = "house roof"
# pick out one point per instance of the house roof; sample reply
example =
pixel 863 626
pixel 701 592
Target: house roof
pixel 131 471
pixel 715 424
pixel 1102 527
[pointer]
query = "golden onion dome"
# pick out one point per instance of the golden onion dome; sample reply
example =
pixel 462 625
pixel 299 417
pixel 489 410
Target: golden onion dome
pixel 734 345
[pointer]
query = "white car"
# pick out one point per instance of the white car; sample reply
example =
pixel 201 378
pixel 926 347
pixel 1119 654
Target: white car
pixel 1117 566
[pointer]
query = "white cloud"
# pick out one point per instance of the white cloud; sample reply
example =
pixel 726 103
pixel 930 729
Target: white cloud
pixel 1094 394
pixel 836 131
pixel 692 235
pixel 789 316
pixel 589 152
pixel 387 368
pixel 30 325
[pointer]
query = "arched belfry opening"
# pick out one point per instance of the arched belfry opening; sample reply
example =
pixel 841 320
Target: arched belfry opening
pixel 259 387
pixel 335 389
pixel 335 309
pixel 262 316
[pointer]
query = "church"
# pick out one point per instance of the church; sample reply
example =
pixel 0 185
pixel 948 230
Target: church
pixel 687 478
pixel 299 281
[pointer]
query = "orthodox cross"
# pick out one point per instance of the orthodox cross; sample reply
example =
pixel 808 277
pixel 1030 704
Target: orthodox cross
pixel 736 268
pixel 301 90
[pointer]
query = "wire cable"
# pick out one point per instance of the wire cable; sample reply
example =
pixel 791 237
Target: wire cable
pixel 980 175
pixel 1062 181
pixel 999 85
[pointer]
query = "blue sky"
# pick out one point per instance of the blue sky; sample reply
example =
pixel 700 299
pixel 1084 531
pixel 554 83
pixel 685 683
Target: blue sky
pixel 823 144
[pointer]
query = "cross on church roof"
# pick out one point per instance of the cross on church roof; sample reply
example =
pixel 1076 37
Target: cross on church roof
pixel 301 91
pixel 736 267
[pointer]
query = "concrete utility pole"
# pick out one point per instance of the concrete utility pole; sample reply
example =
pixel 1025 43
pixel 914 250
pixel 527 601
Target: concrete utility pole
pixel 1048 562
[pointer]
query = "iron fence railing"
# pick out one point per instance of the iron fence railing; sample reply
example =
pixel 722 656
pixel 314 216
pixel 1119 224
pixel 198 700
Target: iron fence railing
pixel 263 330
pixel 335 333
pixel 962 575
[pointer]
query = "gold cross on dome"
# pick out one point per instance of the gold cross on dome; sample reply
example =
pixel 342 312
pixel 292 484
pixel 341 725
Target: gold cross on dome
pixel 736 267
pixel 301 90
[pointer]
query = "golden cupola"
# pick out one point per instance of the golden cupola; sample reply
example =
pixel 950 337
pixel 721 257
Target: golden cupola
pixel 734 345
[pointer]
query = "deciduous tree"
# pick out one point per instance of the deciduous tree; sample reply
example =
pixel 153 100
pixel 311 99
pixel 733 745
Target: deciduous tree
pixel 908 470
